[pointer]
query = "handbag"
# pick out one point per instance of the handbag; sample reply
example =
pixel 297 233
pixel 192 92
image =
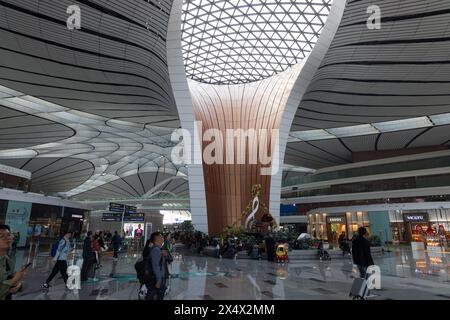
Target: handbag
pixel 105 248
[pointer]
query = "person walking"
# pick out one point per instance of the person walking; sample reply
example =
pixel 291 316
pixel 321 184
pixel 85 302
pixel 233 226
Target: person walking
pixel 60 260
pixel 270 247
pixel 10 281
pixel 157 289
pixel 102 247
pixel 116 241
pixel 167 252
pixel 96 248
pixel 88 257
pixel 361 252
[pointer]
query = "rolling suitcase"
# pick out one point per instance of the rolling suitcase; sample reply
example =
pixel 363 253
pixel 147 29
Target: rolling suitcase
pixel 359 289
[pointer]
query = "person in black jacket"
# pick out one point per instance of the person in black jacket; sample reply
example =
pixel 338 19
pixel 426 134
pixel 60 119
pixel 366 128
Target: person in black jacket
pixel 361 252
pixel 116 241
pixel 270 247
pixel 88 257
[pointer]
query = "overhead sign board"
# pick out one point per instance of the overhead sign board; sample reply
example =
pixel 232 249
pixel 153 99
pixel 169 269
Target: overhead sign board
pixel 130 209
pixel 116 207
pixel 112 216
pixel 135 217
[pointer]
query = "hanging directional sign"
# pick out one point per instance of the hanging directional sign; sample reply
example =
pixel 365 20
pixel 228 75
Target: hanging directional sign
pixel 134 217
pixel 116 207
pixel 130 209
pixel 112 216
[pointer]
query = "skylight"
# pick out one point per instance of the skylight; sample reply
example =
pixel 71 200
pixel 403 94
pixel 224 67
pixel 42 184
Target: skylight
pixel 240 41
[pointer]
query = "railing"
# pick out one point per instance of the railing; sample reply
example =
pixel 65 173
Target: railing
pixel 370 170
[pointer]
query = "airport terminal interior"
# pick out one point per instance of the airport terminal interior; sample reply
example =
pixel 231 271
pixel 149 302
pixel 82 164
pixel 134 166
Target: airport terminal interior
pixel 263 149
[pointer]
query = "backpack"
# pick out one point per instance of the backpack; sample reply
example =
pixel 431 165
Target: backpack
pixel 144 271
pixel 55 246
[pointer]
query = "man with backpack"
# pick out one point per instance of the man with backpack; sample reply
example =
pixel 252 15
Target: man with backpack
pixel 157 288
pixel 59 253
pixel 151 271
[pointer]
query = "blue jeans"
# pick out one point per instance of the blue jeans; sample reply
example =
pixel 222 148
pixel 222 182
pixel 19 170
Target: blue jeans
pixel 154 293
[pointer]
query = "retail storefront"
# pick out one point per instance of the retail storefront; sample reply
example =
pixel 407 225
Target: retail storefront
pixel 45 223
pixel 405 224
pixel 398 226
pixel 328 226
pixel 73 220
pixel 17 217
pixel 335 226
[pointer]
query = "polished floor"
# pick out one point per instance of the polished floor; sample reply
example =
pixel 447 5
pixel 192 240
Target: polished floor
pixel 404 276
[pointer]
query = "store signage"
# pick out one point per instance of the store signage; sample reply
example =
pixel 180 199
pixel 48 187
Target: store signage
pixel 112 216
pixel 335 220
pixel 116 207
pixel 415 217
pixel 79 216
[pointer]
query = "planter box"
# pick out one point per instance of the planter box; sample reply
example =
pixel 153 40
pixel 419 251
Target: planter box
pixel 311 254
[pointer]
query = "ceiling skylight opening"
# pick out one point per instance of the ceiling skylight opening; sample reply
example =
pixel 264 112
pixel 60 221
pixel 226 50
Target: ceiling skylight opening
pixel 244 34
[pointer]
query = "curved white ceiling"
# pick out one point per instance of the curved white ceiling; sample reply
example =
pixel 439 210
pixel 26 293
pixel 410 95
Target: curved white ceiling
pixel 379 89
pixel 239 41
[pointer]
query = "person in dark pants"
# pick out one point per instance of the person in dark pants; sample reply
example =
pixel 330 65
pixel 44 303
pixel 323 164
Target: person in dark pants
pixel 116 241
pixel 270 247
pixel 60 260
pixel 88 257
pixel 157 289
pixel 361 252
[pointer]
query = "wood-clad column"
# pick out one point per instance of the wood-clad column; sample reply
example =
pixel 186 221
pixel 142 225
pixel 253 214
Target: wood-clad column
pixel 257 106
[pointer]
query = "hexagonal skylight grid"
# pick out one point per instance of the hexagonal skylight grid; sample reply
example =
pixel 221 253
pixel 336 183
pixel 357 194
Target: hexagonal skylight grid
pixel 240 41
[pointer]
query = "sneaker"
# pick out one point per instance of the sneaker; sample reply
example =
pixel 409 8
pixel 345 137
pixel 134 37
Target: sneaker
pixel 45 286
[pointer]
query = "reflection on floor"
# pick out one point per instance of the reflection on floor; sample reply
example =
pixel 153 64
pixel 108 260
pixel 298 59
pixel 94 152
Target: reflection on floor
pixel 404 276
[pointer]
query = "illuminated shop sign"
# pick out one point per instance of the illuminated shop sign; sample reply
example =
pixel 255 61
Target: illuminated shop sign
pixel 79 216
pixel 415 217
pixel 335 219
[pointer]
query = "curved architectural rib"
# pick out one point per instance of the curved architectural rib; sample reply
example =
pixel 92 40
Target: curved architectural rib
pixel 185 110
